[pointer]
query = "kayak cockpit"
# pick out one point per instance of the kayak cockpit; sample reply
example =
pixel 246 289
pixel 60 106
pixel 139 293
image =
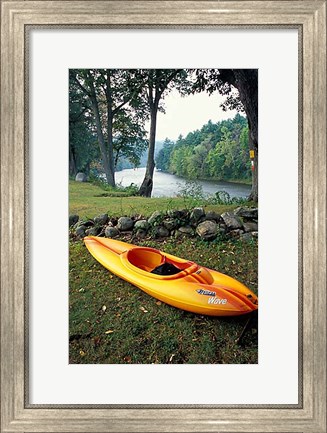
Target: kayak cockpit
pixel 153 261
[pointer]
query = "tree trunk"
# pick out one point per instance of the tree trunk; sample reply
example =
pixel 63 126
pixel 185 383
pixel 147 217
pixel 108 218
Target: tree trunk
pixel 111 162
pixel 72 163
pixel 247 85
pixel 147 184
pixel 246 82
pixel 102 144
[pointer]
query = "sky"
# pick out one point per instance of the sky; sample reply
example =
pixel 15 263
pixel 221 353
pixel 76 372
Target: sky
pixel 186 114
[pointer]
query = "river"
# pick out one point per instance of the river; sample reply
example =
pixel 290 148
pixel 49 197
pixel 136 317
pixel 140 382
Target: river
pixel 168 185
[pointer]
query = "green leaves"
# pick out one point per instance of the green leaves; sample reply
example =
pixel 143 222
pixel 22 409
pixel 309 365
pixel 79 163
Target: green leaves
pixel 220 151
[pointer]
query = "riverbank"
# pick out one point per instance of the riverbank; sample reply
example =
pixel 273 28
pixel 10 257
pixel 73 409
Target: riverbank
pixel 88 200
pixel 170 185
pixel 215 179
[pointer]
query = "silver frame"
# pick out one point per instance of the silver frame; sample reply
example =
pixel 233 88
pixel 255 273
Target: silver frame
pixel 309 17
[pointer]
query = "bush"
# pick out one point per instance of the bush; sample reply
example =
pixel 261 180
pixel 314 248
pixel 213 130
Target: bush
pixel 117 191
pixel 223 197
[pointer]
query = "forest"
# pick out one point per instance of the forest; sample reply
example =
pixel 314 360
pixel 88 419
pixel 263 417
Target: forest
pixel 109 109
pixel 217 151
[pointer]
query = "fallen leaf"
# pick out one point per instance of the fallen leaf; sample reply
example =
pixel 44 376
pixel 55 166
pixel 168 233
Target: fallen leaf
pixel 82 289
pixel 82 353
pixel 127 359
pixel 110 331
pixel 103 308
pixel 143 309
pixel 171 358
pixel 96 340
pixel 158 302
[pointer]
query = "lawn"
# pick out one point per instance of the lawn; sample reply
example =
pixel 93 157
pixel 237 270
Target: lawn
pixel 88 200
pixel 113 322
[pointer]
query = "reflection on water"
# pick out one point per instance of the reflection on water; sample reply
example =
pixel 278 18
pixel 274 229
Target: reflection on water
pixel 167 185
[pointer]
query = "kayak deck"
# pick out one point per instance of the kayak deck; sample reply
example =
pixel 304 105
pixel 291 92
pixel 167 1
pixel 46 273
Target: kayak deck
pixel 192 287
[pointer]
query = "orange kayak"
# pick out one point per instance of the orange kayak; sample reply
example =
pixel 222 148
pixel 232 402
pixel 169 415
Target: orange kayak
pixel 184 284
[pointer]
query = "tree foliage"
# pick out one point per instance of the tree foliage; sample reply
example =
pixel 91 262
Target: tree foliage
pixel 83 148
pixel 113 96
pixel 245 81
pixel 217 151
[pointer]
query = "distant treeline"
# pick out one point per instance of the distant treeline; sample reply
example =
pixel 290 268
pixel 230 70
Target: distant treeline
pixel 218 150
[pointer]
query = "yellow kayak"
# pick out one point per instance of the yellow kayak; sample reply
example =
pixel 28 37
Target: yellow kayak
pixel 175 281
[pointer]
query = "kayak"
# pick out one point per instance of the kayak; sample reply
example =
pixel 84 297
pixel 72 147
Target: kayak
pixel 175 281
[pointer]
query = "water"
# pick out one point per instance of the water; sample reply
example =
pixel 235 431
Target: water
pixel 167 185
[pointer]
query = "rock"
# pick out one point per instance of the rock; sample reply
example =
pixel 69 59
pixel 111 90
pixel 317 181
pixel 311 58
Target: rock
pixel 222 229
pixel 177 234
pixel 236 233
pixel 80 232
pixel 207 230
pixel 196 214
pixel 87 223
pixel 170 223
pixel 101 220
pixel 161 232
pixel 125 223
pixel 232 221
pixel 80 177
pixel 212 215
pixel 111 232
pixel 93 231
pixel 186 230
pixel 141 233
pixel 154 218
pixel 246 237
pixel 141 225
pixel 178 214
pixel 73 219
pixel 250 227
pixel 247 212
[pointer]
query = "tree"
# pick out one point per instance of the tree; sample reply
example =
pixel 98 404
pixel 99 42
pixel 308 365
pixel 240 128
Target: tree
pixel 129 140
pixel 246 83
pixel 82 137
pixel 163 157
pixel 111 93
pixel 157 83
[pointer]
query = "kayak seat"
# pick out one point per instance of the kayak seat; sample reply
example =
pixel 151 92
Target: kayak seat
pixel 145 258
pixel 166 269
pixel 151 260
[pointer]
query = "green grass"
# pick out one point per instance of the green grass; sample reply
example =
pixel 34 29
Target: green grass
pixel 88 200
pixel 113 322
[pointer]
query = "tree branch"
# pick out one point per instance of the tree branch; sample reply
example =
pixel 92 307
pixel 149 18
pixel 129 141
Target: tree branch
pixel 81 86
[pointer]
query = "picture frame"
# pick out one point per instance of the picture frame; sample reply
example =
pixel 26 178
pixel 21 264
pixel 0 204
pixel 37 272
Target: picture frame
pixel 309 17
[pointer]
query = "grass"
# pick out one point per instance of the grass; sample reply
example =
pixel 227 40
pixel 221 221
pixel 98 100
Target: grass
pixel 113 322
pixel 88 200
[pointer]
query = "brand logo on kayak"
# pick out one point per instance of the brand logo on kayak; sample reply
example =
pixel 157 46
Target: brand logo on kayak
pixel 206 292
pixel 217 301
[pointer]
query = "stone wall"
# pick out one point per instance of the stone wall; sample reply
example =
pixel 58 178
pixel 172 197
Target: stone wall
pixel 242 223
